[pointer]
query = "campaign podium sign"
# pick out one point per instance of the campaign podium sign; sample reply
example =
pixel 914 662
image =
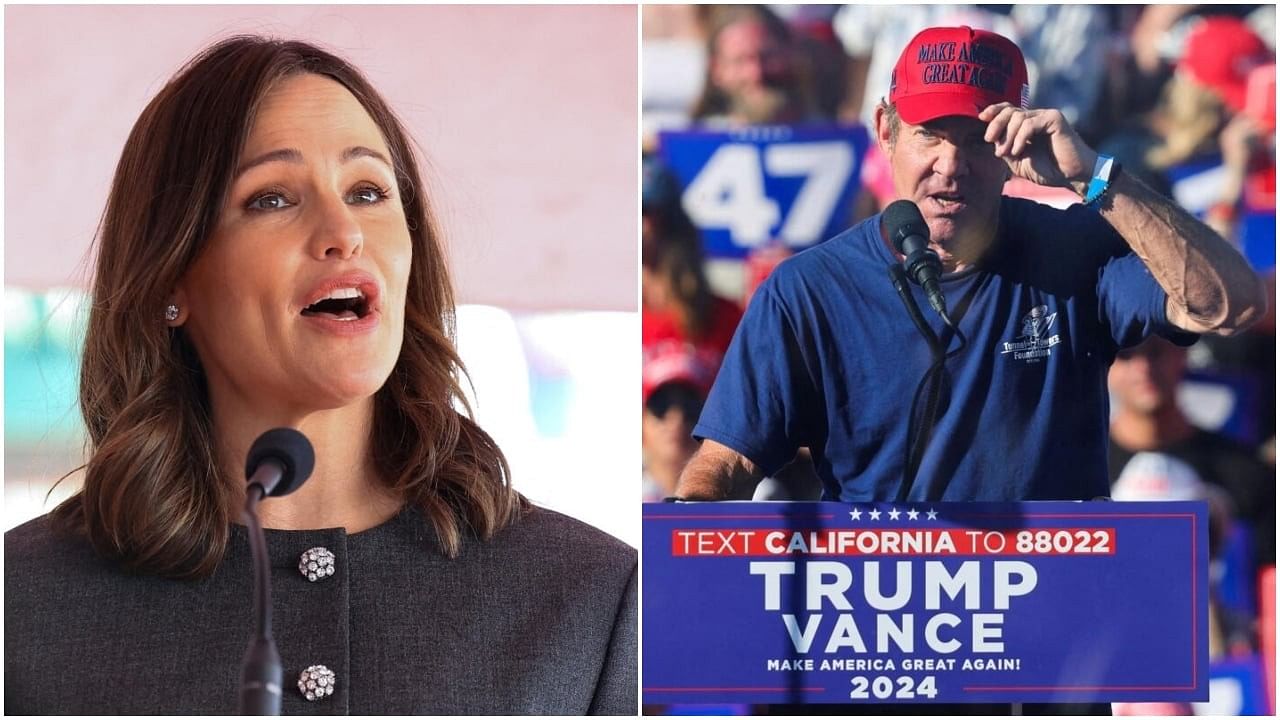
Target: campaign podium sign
pixel 950 602
pixel 749 187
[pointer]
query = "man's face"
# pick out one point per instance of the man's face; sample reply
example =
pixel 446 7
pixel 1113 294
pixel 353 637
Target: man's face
pixel 751 68
pixel 948 169
pixel 1145 378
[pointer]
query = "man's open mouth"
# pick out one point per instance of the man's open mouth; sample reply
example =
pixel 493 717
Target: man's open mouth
pixel 948 200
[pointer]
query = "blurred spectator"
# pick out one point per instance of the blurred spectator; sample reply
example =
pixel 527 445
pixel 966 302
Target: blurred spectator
pixel 1153 44
pixel 1146 418
pixel 1150 41
pixel 1149 36
pixel 676 300
pixel 1065 47
pixel 753 77
pixel 821 53
pixel 676 379
pixel 672 65
pixel 1159 477
pixel 1205 92
pixel 1248 145
pixel 1220 53
pixel 1248 158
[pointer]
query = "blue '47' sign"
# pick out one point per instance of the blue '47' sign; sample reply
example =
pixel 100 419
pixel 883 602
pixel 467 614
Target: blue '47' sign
pixel 745 188
pixel 981 602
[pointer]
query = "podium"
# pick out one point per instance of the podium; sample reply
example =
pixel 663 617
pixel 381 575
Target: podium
pixel 807 602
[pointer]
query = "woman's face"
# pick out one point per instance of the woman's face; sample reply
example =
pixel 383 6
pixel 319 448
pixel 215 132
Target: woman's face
pixel 297 301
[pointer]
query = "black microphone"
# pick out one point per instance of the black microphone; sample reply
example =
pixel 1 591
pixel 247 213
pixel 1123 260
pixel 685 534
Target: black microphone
pixel 907 230
pixel 280 460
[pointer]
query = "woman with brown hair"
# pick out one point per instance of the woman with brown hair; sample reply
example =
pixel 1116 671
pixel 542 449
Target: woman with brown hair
pixel 268 257
pixel 676 298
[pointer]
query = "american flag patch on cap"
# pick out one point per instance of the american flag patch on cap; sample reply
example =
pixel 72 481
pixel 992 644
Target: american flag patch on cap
pixel 1026 96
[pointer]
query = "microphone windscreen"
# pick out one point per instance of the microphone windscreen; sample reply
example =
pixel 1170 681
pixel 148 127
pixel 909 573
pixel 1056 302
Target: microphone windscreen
pixel 902 219
pixel 291 449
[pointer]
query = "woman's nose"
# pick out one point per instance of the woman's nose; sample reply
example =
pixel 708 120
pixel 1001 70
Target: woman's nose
pixel 337 232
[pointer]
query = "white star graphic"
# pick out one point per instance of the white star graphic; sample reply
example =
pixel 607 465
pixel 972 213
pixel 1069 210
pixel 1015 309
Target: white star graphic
pixel 855 514
pixel 893 514
pixel 875 514
pixel 912 514
pixel 933 514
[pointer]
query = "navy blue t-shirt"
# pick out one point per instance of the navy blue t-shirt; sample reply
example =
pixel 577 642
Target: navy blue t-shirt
pixel 826 357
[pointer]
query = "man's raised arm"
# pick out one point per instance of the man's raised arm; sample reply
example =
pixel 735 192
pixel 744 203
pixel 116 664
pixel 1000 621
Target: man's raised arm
pixel 1211 287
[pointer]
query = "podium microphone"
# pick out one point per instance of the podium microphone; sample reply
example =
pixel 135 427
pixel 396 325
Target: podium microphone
pixel 907 230
pixel 280 460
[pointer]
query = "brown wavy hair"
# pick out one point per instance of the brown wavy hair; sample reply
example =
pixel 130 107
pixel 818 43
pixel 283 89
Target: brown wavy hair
pixel 153 497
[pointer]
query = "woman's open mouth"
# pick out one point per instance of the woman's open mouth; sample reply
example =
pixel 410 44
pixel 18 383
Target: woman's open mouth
pixel 346 304
pixel 342 304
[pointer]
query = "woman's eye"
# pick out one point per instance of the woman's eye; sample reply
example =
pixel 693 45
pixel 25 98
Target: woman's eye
pixel 367 196
pixel 268 201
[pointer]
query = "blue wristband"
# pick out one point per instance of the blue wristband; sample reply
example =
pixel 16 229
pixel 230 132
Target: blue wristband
pixel 1104 172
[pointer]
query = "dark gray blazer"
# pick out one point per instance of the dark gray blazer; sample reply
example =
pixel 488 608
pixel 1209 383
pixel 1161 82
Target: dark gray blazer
pixel 540 620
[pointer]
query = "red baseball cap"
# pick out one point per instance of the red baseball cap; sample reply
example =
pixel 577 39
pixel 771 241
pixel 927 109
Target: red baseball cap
pixel 957 71
pixel 672 362
pixel 1220 53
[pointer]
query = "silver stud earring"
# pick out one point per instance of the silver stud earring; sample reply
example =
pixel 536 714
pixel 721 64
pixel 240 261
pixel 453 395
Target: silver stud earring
pixel 171 313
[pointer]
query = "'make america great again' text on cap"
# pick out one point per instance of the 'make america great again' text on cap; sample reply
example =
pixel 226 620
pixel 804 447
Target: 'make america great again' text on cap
pixel 957 71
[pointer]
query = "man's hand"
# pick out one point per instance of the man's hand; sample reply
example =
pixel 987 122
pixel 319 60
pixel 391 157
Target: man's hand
pixel 1040 146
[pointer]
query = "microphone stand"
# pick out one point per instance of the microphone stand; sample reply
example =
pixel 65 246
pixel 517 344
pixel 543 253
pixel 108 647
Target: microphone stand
pixel 260 685
pixel 279 461
pixel 898 276
pixel 918 437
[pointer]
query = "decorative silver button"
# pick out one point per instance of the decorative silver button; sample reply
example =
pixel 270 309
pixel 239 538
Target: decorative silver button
pixel 317 682
pixel 316 564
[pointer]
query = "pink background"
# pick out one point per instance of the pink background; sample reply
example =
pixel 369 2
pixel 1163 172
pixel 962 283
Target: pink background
pixel 527 117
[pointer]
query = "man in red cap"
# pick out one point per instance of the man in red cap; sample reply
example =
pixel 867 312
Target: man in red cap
pixel 829 357
pixel 965 90
pixel 1038 302
pixel 826 354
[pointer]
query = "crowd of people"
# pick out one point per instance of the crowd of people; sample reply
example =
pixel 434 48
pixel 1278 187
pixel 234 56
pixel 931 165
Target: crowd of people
pixel 1182 95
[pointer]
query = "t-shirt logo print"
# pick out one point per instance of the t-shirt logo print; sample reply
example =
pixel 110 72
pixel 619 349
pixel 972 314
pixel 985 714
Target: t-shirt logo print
pixel 1032 345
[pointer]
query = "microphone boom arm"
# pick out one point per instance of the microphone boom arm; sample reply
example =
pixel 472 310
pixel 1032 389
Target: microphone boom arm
pixel 261 684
